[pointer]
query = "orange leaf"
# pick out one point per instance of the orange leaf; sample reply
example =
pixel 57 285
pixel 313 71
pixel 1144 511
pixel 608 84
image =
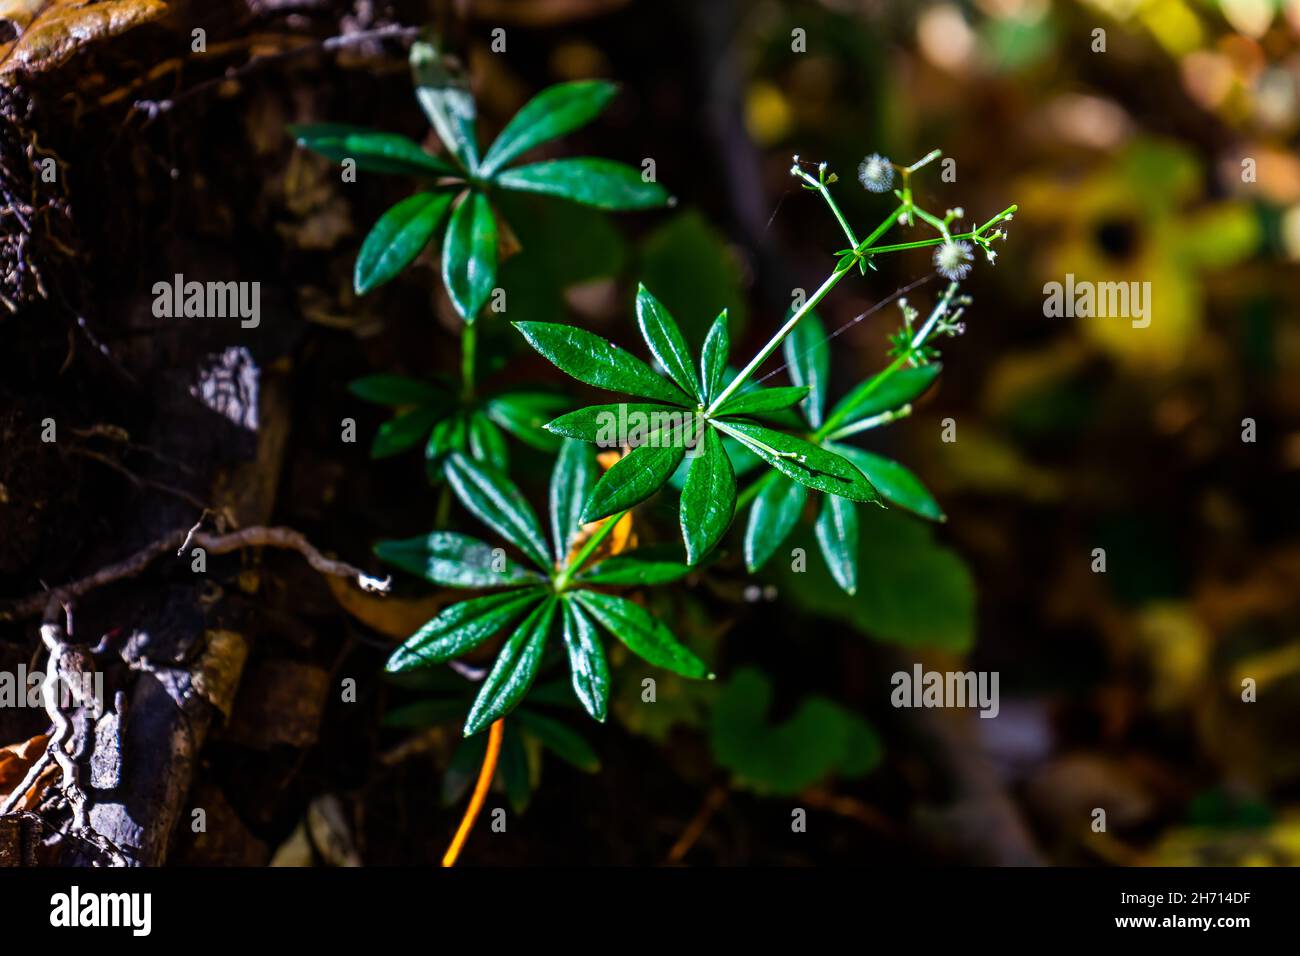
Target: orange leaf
pixel 46 33
pixel 15 761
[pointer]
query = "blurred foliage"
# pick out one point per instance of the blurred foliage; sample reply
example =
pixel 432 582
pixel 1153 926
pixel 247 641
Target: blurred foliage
pixel 821 738
pixel 911 590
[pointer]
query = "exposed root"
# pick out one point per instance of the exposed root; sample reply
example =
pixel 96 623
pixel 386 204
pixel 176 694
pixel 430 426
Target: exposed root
pixel 257 536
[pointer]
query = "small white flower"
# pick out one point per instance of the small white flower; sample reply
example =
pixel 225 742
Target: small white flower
pixel 952 260
pixel 876 173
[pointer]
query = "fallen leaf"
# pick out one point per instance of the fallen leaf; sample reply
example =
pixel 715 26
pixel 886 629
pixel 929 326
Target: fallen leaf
pixel 397 617
pixel 42 34
pixel 15 761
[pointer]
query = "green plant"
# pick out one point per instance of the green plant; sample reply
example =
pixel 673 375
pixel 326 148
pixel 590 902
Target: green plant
pixel 457 206
pixel 532 730
pixel 693 423
pixel 450 421
pixel 693 411
pixel 881 399
pixel 559 588
pixel 819 738
pixel 692 408
pixel 464 185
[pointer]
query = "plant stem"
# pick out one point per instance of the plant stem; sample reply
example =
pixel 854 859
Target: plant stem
pixel 881 229
pixel 884 418
pixel 592 543
pixel 921 243
pixel 443 513
pixel 820 186
pixel 485 775
pixel 468 349
pixel 831 425
pixel 831 281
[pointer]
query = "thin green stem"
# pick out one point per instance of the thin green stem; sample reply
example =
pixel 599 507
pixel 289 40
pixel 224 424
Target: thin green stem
pixel 573 567
pixel 875 421
pixel 468 349
pixel 938 312
pixel 925 160
pixel 871 385
pixel 934 221
pixel 831 281
pixel 883 228
pixel 820 186
pixel 920 243
pixel 999 217
pixel 831 427
pixel 976 233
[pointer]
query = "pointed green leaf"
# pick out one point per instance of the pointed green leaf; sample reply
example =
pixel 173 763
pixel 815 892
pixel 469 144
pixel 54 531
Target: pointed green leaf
pixel 713 358
pixel 455 560
pixel 397 239
pixel 443 94
pixel 486 443
pixel 461 628
pixel 645 636
pixel 396 391
pixel 808 354
pixel 837 533
pixel 896 482
pixel 708 498
pixel 883 393
pixel 449 434
pixel 571 482
pixel 803 461
pixel 496 502
pixel 774 513
pixel 371 149
pixel 587 664
pixel 633 478
pixel 664 337
pixel 621 423
pixel 525 414
pixel 599 362
pixel 559 739
pixel 650 565
pixel 760 401
pixel 551 113
pixel 404 431
pixel 602 183
pixel 514 670
pixel 469 255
